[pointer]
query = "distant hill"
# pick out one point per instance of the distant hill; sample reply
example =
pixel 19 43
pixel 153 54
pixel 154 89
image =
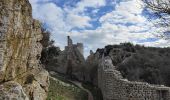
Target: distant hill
pixel 139 63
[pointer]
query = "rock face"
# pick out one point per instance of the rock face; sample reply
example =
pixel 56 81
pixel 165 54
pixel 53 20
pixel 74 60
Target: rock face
pixel 20 49
pixel 12 91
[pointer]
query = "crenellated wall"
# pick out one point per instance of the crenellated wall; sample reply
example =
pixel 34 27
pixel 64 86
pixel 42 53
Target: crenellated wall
pixel 114 87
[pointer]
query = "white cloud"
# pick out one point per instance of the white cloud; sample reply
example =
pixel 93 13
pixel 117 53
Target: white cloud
pixel 59 21
pixel 78 21
pixel 159 43
pixel 129 11
pixel 114 28
pixel 82 6
pixel 123 24
pixel 91 3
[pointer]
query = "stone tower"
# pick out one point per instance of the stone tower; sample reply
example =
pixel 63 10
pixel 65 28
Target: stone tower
pixel 69 41
pixel 78 46
pixel 73 59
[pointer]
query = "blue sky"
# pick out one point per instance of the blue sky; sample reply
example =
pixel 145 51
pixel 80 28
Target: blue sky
pixel 97 23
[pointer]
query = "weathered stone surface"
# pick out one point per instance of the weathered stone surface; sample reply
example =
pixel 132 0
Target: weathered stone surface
pixel 111 82
pixel 20 49
pixel 91 68
pixel 93 60
pixel 12 91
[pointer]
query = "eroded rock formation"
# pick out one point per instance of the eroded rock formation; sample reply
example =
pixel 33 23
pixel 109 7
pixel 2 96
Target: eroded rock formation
pixel 21 75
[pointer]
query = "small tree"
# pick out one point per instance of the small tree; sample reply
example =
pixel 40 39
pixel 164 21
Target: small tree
pixel 50 51
pixel 46 42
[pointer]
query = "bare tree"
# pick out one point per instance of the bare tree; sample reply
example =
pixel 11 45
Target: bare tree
pixel 46 41
pixel 160 10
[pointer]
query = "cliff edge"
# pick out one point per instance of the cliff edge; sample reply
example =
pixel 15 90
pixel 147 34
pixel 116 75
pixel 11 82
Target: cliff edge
pixel 21 74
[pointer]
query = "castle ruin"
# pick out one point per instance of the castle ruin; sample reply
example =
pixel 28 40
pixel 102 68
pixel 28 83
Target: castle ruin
pixel 114 87
pixel 71 60
pixel 70 46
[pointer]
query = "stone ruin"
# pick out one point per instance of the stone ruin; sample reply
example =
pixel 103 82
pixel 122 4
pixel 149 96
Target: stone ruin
pixel 75 59
pixel 70 61
pixel 70 46
pixel 114 87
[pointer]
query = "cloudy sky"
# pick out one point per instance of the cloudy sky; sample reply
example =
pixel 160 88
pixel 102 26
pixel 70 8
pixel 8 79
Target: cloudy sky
pixel 96 23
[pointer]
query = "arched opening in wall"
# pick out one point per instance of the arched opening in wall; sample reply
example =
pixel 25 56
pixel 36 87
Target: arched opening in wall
pixel 162 94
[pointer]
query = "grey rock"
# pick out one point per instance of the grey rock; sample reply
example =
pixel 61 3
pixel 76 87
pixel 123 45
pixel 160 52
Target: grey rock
pixel 20 47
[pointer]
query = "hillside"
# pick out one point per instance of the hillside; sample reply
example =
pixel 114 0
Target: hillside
pixel 62 89
pixel 139 63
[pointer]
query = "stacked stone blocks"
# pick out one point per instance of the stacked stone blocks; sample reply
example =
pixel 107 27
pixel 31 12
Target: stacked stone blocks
pixel 114 87
pixel 70 46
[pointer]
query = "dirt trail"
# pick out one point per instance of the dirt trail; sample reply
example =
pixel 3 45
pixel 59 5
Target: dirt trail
pixel 90 96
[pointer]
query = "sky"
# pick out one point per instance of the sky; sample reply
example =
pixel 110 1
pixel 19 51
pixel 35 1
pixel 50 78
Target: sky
pixel 97 23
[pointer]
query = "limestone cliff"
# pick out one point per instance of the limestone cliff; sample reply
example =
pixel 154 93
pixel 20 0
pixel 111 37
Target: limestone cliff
pixel 21 75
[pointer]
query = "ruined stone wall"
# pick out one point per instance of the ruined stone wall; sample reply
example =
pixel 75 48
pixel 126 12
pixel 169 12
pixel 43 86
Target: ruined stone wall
pixel 80 48
pixel 70 46
pixel 70 61
pixel 114 87
pixel 21 74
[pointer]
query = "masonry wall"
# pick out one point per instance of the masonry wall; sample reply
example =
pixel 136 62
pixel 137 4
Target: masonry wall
pixel 114 87
pixel 80 48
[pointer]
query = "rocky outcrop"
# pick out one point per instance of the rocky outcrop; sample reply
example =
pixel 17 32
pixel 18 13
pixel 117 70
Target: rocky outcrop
pixel 21 74
pixel 12 91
